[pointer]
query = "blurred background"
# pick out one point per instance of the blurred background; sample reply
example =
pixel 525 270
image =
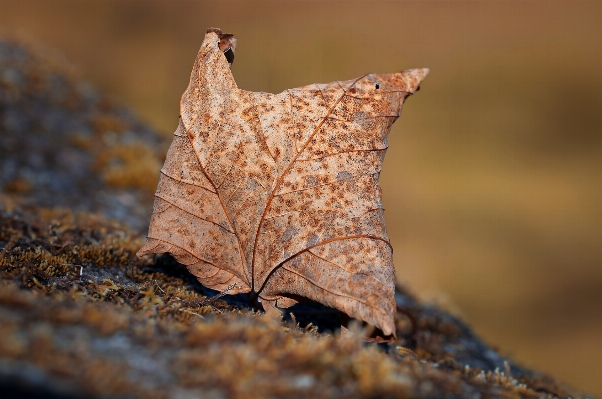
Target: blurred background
pixel 493 179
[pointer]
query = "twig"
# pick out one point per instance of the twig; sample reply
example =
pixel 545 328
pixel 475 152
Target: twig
pixel 207 301
pixel 215 309
pixel 160 289
pixel 196 314
pixel 218 296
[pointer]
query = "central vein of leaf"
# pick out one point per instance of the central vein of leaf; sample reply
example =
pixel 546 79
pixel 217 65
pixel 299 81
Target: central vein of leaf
pixel 281 178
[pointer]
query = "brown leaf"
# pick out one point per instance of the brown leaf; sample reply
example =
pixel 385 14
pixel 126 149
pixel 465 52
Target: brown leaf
pixel 278 193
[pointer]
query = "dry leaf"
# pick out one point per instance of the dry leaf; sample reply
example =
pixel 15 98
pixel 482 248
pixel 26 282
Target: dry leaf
pixel 278 193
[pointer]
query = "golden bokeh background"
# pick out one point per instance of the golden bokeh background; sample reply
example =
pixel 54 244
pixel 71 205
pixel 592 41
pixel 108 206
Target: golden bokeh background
pixel 493 179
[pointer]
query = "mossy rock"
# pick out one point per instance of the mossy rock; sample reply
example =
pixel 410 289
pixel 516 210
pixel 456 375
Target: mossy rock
pixel 63 143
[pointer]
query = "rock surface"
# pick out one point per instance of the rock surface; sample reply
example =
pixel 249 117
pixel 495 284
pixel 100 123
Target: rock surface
pixel 80 315
pixel 65 144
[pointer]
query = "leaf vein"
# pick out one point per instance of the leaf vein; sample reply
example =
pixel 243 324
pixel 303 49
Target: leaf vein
pixel 184 182
pixel 281 178
pixel 192 214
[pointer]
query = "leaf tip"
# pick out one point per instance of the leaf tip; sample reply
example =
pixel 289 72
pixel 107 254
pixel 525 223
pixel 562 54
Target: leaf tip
pixel 146 249
pixel 414 77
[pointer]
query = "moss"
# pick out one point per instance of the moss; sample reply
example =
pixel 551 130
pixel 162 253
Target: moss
pixel 76 304
pixel 130 165
pixel 107 123
pixel 17 186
